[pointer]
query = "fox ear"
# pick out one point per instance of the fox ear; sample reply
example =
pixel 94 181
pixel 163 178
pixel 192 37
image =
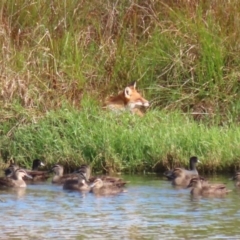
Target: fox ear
pixel 133 84
pixel 127 92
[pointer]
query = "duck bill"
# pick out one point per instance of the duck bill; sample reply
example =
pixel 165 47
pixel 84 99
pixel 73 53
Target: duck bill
pixel 29 176
pixel 92 185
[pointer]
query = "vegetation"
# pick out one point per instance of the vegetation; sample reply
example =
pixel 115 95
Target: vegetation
pixel 124 143
pixel 60 59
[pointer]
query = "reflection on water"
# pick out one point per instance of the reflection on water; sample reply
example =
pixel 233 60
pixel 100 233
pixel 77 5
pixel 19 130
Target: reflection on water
pixel 151 209
pixel 15 193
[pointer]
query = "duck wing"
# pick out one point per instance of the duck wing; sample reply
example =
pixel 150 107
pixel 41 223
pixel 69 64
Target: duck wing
pixel 6 182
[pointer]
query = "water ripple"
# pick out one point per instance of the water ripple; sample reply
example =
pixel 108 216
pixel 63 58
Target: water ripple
pixel 151 209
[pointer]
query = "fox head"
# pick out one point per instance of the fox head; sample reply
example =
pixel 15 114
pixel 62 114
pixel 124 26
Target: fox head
pixel 128 99
pixel 133 99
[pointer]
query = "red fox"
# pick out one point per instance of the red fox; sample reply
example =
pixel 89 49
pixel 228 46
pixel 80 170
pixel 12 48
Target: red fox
pixel 128 99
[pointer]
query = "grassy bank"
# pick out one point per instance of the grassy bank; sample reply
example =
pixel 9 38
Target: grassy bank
pixel 183 54
pixel 123 143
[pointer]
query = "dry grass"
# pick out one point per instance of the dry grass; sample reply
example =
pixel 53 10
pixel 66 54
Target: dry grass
pixel 185 52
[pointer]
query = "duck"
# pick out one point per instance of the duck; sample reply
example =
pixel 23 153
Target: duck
pixel 85 170
pixel 10 170
pixel 180 178
pixel 35 173
pixel 79 184
pixel 200 187
pixel 15 180
pixel 36 164
pixel 81 179
pixel 109 180
pixel 236 178
pixel 104 188
pixel 59 176
pixel 170 174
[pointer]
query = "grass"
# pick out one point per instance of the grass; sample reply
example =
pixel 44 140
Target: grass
pixel 124 143
pixel 184 56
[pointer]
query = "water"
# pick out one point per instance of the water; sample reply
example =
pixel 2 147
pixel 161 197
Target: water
pixel 151 209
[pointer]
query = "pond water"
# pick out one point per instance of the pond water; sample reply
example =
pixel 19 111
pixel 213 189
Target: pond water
pixel 151 209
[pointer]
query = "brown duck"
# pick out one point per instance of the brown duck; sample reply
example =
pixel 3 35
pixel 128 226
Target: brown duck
pixel 9 172
pixel 85 170
pixel 35 173
pixel 192 169
pixel 204 188
pixel 15 180
pixel 104 188
pixel 59 176
pixel 182 177
pixel 79 184
pixel 236 178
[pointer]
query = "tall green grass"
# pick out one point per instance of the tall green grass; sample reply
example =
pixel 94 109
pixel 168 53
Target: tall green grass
pixel 123 143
